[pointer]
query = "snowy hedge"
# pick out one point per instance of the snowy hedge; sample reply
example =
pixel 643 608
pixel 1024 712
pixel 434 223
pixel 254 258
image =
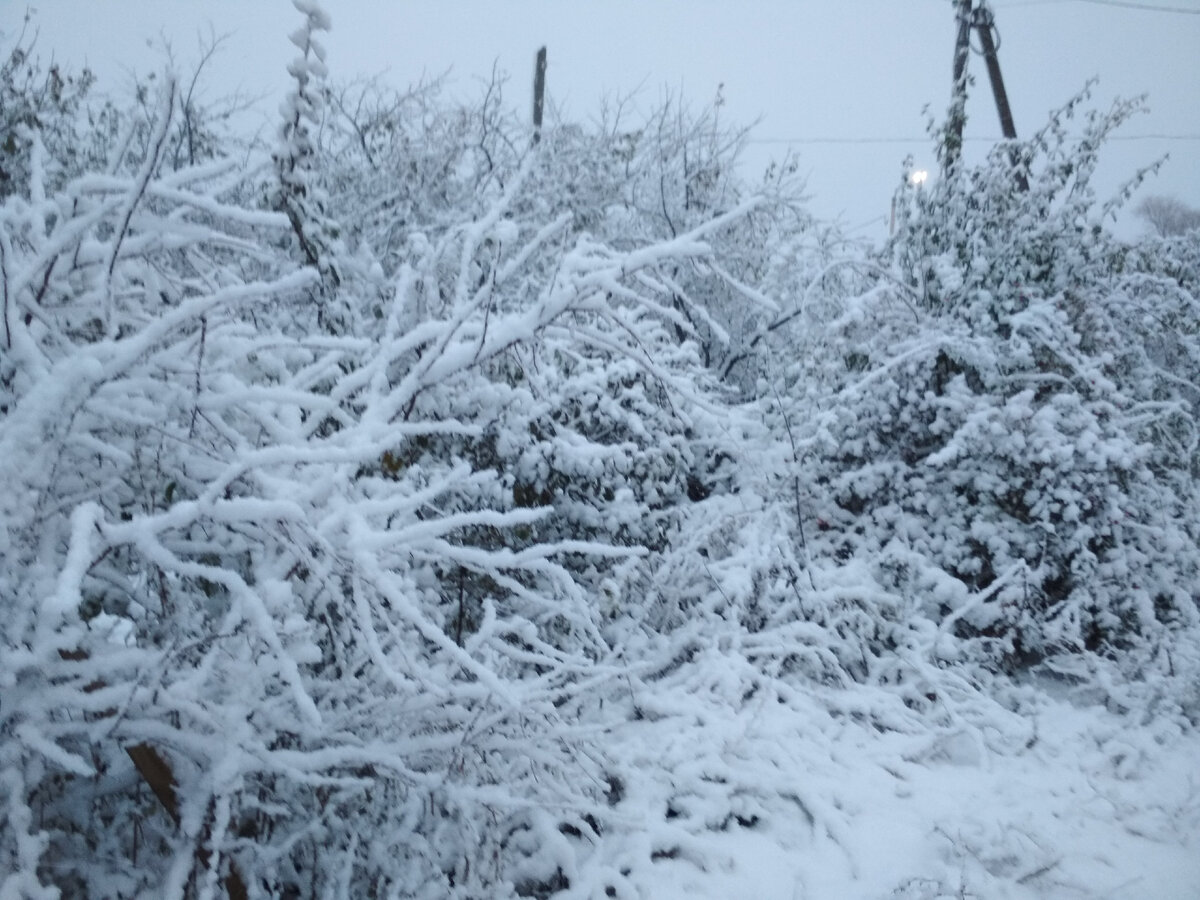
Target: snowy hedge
pixel 365 491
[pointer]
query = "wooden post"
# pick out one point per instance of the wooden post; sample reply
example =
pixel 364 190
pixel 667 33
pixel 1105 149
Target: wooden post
pixel 539 93
pixel 958 102
pixel 985 22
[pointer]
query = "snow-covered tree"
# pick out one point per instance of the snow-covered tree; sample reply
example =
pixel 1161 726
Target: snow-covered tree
pixel 1168 216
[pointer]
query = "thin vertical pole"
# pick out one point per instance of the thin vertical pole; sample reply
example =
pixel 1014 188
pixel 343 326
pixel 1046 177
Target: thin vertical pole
pixel 984 22
pixel 539 93
pixel 958 102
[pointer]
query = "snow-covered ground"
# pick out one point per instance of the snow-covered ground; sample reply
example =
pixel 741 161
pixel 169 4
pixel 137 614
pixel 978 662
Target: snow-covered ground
pixel 742 789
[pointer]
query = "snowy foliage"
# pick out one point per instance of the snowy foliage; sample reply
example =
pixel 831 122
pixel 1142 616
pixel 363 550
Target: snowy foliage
pixel 49 103
pixel 298 193
pixel 993 412
pixel 568 518
pixel 334 586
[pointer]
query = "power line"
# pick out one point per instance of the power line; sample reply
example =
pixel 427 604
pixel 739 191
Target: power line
pixel 926 139
pixel 843 140
pixel 1155 137
pixel 1122 4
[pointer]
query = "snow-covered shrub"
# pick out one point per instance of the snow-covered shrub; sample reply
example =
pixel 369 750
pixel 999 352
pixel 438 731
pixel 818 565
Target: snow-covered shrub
pixel 50 102
pixel 83 130
pixel 984 414
pixel 301 611
pixel 603 442
pixel 338 572
pixel 650 177
pixel 1151 320
pixel 401 165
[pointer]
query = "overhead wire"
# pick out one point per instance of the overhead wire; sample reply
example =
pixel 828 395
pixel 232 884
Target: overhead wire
pixel 1121 4
pixel 920 140
pixel 972 139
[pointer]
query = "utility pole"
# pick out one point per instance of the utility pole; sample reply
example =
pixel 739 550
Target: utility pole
pixel 958 102
pixel 986 23
pixel 539 93
pixel 982 20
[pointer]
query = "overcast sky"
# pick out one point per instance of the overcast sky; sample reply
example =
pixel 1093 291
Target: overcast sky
pixel 843 81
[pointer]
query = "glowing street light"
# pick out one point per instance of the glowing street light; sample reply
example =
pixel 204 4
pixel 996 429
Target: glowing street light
pixel 917 179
